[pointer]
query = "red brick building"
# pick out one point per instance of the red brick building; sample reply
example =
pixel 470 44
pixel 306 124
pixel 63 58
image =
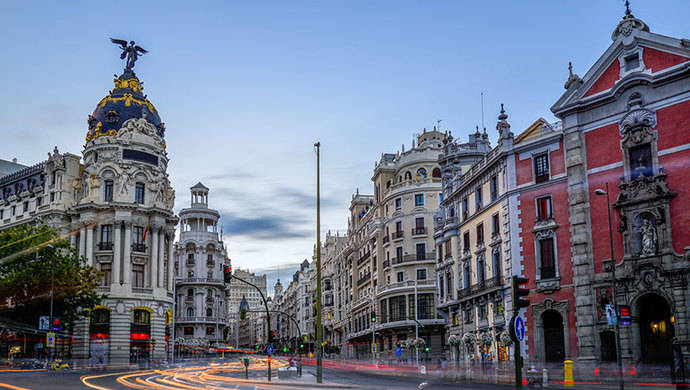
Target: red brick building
pixel 543 220
pixel 626 123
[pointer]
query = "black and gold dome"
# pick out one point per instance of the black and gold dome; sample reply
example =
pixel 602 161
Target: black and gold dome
pixel 124 102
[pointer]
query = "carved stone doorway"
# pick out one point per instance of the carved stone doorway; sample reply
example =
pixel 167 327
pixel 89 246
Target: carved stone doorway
pixel 608 346
pixel 656 329
pixel 553 336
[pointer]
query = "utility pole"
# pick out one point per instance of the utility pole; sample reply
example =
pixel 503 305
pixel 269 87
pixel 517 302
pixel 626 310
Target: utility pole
pixel 52 288
pixel 619 358
pixel 416 325
pixel 172 331
pixel 319 334
pixel 216 304
pixel 373 327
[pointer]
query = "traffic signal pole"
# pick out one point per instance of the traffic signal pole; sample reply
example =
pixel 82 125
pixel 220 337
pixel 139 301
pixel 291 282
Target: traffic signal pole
pixel 518 303
pixel 228 276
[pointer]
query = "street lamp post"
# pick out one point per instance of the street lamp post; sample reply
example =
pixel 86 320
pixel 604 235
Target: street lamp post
pixel 319 334
pixel 172 331
pixel 619 358
pixel 416 325
pixel 52 288
pixel 373 327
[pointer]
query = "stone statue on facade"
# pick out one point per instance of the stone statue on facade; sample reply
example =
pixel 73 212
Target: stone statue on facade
pixel 125 182
pixel 169 198
pixel 94 183
pixel 649 238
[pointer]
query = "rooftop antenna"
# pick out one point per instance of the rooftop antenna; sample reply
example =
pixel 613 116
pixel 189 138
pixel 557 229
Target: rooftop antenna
pixel 482 99
pixel 627 7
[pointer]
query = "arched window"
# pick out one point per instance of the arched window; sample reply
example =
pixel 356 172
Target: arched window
pixel 388 184
pixel 142 317
pixel 190 292
pixel 190 312
pixel 408 175
pixel 209 312
pixel 436 172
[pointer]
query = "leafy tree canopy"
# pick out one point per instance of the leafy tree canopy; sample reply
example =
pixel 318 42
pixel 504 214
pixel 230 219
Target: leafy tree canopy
pixel 26 259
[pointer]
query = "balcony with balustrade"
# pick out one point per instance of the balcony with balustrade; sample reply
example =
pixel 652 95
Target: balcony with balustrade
pixel 414 258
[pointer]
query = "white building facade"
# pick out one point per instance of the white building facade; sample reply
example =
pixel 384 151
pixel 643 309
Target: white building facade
pixel 200 259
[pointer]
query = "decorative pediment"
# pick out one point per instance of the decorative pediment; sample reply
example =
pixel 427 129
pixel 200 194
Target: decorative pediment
pixel 637 118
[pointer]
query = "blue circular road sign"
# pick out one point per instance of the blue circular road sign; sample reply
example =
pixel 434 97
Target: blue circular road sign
pixel 269 350
pixel 519 328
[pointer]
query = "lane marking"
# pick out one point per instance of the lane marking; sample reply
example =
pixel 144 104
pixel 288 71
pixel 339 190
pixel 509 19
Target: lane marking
pixel 13 387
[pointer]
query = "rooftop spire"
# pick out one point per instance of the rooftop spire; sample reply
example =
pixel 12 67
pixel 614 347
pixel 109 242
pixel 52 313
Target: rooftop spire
pixel 572 77
pixel 629 24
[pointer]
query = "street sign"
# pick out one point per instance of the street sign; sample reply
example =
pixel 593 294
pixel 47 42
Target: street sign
pixel 611 317
pixel 57 323
pixel 50 340
pixel 626 318
pixel 269 350
pixel 373 348
pixel 519 328
pixel 43 322
pixel 398 352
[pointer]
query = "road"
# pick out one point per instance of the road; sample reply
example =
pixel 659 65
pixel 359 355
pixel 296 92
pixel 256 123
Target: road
pixel 229 375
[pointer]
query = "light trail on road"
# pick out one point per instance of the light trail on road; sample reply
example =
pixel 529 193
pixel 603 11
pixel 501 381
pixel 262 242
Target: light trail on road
pixel 192 377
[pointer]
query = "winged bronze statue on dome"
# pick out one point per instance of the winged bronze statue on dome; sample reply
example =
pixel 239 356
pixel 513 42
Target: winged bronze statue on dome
pixel 131 51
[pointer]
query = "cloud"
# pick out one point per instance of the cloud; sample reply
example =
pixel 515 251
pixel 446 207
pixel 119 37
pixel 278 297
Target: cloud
pixel 272 227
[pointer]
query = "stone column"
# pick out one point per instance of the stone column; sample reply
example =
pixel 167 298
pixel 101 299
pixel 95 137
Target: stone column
pixel 73 240
pixel 153 262
pixel 171 265
pixel 82 242
pixel 127 258
pixel 80 345
pixel 120 322
pixel 89 245
pixel 117 255
pixel 158 332
pixel 161 258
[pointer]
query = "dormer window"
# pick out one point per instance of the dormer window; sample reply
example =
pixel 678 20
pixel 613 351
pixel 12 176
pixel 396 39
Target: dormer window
pixel 632 62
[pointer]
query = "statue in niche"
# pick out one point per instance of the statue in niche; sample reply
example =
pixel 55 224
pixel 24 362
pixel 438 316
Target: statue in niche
pixel 169 198
pixel 94 183
pixel 648 238
pixel 125 182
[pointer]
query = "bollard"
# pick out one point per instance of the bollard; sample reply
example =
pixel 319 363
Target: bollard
pixel 545 378
pixel 568 380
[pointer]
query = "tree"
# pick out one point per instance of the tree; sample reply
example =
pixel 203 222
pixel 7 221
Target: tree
pixel 25 276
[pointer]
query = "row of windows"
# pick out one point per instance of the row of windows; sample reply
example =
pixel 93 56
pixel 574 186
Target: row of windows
pixel 12 211
pixel 421 175
pixel 138 236
pixel 139 190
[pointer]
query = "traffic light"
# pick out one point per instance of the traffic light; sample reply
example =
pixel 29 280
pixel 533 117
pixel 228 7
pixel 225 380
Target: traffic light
pixel 520 291
pixel 301 346
pixel 227 274
pixel 373 316
pixel 285 349
pixel 426 349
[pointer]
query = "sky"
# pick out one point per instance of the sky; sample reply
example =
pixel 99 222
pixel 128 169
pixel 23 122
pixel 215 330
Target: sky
pixel 246 88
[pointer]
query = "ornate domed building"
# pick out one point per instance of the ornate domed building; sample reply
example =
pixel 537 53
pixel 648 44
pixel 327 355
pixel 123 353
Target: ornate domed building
pixel 123 207
pixel 115 203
